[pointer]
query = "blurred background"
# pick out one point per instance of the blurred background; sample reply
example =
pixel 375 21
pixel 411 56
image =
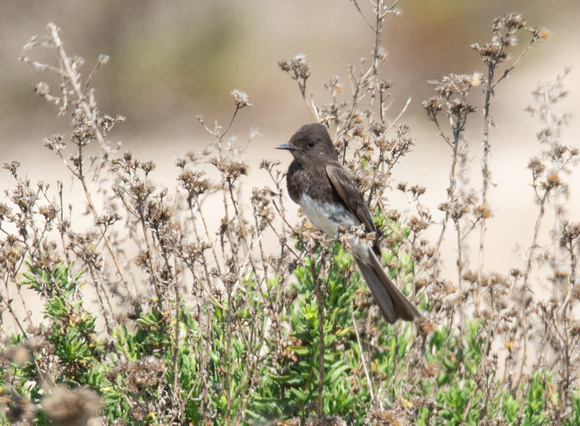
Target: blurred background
pixel 172 61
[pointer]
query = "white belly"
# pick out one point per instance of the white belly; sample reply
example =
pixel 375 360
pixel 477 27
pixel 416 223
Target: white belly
pixel 327 217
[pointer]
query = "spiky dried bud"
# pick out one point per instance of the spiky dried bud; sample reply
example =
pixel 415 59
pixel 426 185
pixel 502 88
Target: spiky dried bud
pixel 230 168
pixel 298 67
pixel 511 21
pixel 20 411
pixel 240 98
pixel 54 143
pixel 144 373
pixel 107 122
pixel 484 212
pixel 194 183
pixel 268 165
pixel 536 166
pixel 12 167
pixel 552 180
pixel 42 88
pixel 540 33
pixel 261 199
pixel 492 53
pixel 433 106
pixel 417 190
pixel 49 212
pixel 148 166
pixel 83 134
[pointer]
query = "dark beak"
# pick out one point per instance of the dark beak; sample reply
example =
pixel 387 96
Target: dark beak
pixel 288 146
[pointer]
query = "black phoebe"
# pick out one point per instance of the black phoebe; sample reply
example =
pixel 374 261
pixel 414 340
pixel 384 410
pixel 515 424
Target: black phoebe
pixel 329 196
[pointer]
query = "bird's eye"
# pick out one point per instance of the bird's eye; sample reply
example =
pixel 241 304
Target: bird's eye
pixel 310 144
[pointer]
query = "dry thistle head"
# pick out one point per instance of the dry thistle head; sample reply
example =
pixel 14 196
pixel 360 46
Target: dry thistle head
pixel 12 167
pixel 194 183
pixel 261 199
pixel 54 143
pixel 536 166
pixel 510 21
pixel 20 410
pixel 298 67
pixel 540 33
pixel 73 407
pixel 269 165
pixel 241 99
pixel 144 373
pixel 230 169
pixel 433 105
pixel 394 416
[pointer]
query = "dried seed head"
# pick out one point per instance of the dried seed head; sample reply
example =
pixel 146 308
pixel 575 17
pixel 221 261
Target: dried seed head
pixel 298 67
pixel 511 21
pixel 240 98
pixel 231 169
pixel 71 406
pixel 20 410
pixel 12 167
pixel 19 355
pixel 269 165
pixel 514 20
pixel 49 212
pixel 536 166
pixel 194 183
pixel 144 373
pixel 540 33
pixel 42 89
pixel 433 106
pixel 484 212
pixel 54 143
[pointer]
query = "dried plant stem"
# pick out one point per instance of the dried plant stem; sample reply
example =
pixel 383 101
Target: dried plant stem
pixel 524 292
pixel 460 278
pixel 363 360
pixel 254 367
pixel 450 189
pixel 468 406
pixel 175 348
pixel 357 95
pixel 229 357
pixel 452 196
pixel 320 334
pixel 73 76
pixel 199 214
pixel 150 252
pixel 486 177
pixel 106 239
pixel 8 304
pixel 490 86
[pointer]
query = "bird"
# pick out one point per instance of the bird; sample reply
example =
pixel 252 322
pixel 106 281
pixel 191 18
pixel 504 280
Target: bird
pixel 329 196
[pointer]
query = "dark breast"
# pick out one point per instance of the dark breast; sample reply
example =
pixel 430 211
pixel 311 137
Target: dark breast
pixel 313 181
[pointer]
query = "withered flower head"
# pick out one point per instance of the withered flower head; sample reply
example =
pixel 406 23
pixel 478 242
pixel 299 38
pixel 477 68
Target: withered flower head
pixel 54 143
pixel 540 33
pixel 240 98
pixel 12 167
pixel 144 373
pixel 298 67
pixel 73 407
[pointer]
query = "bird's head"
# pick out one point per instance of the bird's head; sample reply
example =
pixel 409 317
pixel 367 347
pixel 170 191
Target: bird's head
pixel 311 143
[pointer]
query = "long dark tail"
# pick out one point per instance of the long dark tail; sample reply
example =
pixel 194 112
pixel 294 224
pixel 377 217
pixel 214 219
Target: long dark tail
pixel 393 304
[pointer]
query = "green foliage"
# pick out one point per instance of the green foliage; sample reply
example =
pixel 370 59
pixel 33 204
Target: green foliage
pixel 287 384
